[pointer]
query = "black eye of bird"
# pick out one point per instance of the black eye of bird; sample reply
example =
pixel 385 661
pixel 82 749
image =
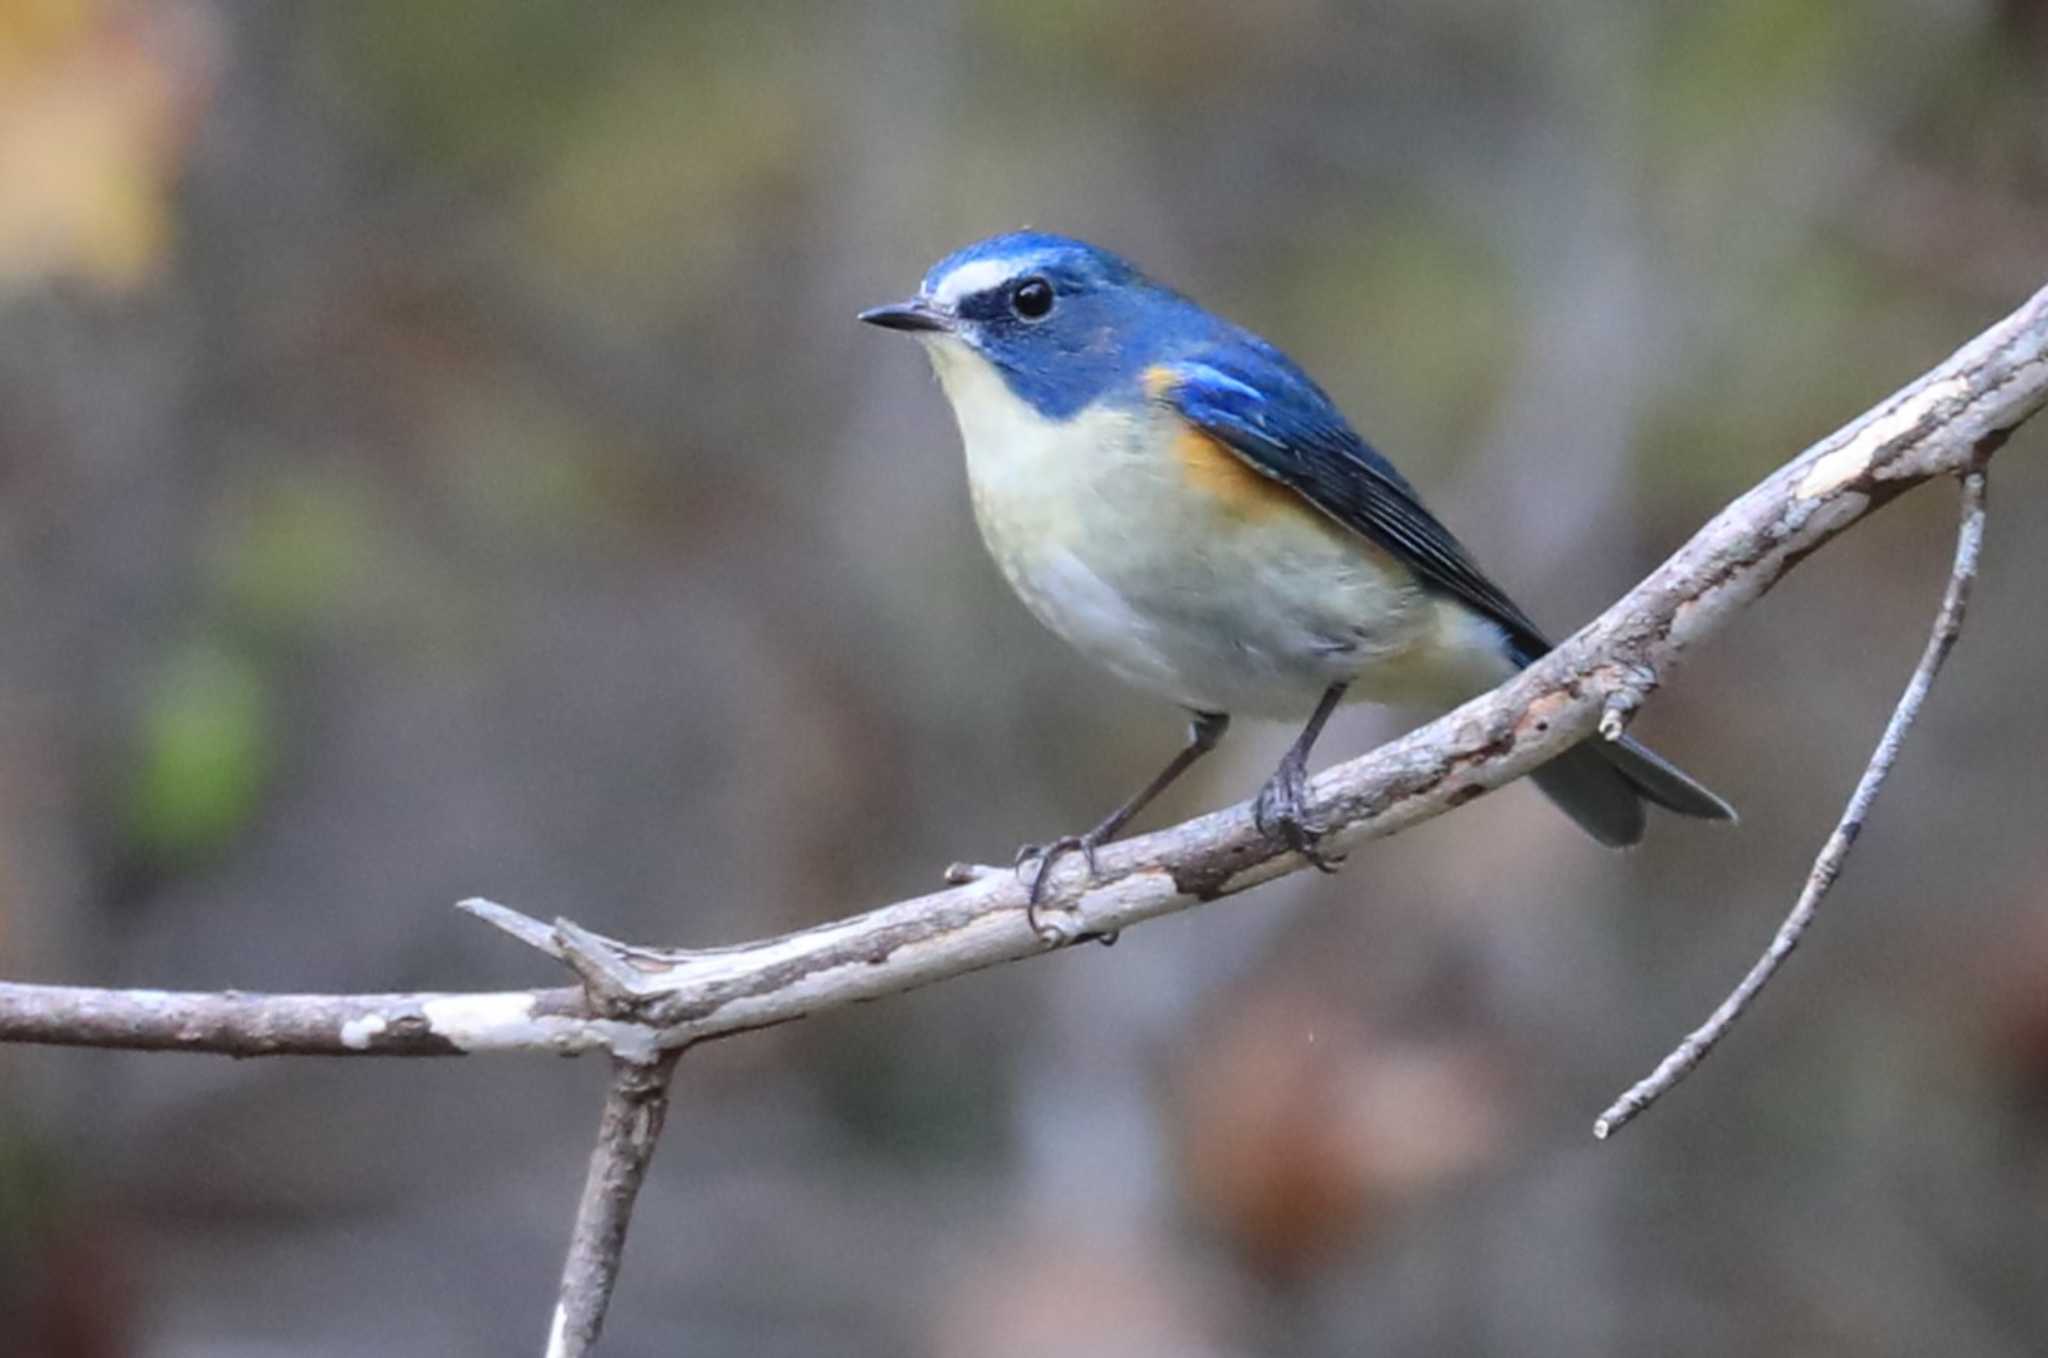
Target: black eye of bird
pixel 1032 301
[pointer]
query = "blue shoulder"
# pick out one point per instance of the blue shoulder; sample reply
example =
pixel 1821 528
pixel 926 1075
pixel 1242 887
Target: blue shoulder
pixel 1261 396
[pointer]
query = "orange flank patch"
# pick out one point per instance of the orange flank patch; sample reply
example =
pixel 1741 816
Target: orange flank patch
pixel 1211 468
pixel 1215 471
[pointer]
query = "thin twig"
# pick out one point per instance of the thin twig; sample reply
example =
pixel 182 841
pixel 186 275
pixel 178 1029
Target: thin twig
pixel 634 1110
pixel 528 930
pixel 1948 625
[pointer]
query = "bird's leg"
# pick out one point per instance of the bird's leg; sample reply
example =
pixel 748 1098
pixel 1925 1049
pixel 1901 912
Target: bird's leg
pixel 1203 732
pixel 1281 810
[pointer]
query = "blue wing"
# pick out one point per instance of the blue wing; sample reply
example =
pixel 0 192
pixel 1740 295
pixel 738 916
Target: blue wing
pixel 1252 399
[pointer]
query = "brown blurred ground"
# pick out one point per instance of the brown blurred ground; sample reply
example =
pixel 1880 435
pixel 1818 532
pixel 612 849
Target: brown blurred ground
pixel 436 456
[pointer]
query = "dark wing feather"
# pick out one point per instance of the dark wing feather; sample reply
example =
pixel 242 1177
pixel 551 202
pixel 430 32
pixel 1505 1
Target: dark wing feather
pixel 1268 412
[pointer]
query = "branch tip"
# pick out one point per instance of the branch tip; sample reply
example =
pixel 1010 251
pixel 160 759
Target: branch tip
pixel 528 930
pixel 1632 686
pixel 1613 720
pixel 960 874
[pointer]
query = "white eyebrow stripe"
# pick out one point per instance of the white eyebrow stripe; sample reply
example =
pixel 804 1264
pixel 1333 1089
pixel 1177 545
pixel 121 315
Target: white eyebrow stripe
pixel 979 275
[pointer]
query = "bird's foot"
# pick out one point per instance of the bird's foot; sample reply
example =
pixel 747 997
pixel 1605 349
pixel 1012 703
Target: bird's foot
pixel 1050 853
pixel 1281 812
pixel 1045 857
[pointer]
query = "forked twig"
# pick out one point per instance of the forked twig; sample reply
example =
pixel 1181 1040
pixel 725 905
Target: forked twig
pixel 1948 625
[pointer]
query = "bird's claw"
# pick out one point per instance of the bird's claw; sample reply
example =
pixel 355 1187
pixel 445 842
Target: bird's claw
pixel 1047 855
pixel 1281 812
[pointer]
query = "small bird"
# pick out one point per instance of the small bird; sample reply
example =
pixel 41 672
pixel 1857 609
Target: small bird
pixel 1177 499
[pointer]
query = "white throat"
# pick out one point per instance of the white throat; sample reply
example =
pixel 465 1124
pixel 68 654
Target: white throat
pixel 1001 433
pixel 1013 452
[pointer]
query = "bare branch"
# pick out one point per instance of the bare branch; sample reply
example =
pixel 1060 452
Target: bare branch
pixel 1948 626
pixel 239 1024
pixel 626 1135
pixel 1943 424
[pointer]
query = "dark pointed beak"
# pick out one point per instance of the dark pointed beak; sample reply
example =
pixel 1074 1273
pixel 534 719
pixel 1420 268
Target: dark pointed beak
pixel 914 316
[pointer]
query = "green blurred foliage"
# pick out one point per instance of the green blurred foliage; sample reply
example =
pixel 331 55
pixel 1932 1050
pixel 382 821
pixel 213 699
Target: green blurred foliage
pixel 479 84
pixel 295 549
pixel 704 131
pixel 1451 350
pixel 204 753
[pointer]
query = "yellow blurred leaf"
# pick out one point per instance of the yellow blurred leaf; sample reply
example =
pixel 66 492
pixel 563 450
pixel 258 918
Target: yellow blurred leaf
pixel 97 100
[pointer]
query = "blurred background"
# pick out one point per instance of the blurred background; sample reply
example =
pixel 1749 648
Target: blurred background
pixel 437 457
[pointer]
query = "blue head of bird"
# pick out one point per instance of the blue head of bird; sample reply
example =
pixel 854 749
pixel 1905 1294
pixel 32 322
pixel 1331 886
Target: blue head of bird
pixel 1060 323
